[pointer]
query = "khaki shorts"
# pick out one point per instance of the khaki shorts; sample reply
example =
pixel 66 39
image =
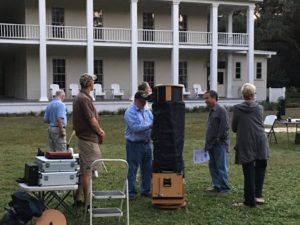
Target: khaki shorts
pixel 88 153
pixel 56 142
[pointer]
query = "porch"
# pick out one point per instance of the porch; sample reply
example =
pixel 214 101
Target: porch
pixel 11 32
pixel 17 106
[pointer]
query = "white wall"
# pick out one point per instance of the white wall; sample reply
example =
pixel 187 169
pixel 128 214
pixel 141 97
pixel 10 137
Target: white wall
pixel 14 69
pixel 261 84
pixel 33 74
pixel 116 68
pixel 162 64
pixel 197 66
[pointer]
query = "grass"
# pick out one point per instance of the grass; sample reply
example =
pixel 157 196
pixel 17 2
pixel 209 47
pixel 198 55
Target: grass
pixel 21 136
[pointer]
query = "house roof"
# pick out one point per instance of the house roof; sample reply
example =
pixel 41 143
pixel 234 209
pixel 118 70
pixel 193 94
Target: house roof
pixel 267 54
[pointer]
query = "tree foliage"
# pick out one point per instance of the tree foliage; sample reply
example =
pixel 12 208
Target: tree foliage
pixel 278 29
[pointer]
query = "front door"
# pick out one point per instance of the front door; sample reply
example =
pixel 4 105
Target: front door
pixel 221 83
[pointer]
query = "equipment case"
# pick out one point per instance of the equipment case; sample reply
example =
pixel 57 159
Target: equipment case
pixel 58 179
pixel 56 165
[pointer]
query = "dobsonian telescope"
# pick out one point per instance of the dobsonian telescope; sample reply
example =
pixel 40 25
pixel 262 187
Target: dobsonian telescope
pixel 168 142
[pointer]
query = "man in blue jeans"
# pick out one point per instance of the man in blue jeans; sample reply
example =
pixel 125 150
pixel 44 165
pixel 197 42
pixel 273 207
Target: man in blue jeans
pixel 138 121
pixel 216 143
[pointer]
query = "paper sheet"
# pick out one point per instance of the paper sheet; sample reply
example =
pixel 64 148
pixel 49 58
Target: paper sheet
pixel 200 156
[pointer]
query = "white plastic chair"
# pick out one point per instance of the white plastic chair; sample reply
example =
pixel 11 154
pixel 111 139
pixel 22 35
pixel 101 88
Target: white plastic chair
pixel 198 90
pixel 186 93
pixel 74 89
pixel 269 124
pixel 116 91
pixel 53 89
pixel 92 94
pixel 108 194
pixel 99 91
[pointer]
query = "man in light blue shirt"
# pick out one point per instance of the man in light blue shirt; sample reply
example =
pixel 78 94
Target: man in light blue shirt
pixel 139 120
pixel 56 117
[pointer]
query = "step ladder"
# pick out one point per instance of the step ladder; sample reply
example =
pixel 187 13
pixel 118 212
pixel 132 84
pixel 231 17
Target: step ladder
pixel 94 195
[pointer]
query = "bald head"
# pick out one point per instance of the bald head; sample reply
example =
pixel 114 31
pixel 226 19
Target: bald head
pixel 60 94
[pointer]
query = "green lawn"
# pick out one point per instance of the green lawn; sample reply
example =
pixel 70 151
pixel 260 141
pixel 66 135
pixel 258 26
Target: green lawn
pixel 21 136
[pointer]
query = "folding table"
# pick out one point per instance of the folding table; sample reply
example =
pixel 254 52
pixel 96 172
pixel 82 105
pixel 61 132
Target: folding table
pixel 47 194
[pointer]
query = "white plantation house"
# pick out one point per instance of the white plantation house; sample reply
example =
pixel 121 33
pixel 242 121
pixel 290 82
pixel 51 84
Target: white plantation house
pixel 125 42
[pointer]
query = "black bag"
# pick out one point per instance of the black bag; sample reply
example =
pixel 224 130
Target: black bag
pixel 22 208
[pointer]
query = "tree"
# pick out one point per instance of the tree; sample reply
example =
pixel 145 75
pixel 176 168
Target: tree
pixel 278 29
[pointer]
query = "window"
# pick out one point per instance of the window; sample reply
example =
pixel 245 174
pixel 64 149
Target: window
pixel 182 28
pixel 98 71
pixel 148 26
pixel 220 78
pixel 149 72
pixel 58 21
pixel 98 24
pixel 259 70
pixel 183 79
pixel 59 72
pixel 238 70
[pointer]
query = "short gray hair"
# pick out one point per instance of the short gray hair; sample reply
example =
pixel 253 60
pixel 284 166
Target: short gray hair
pixel 248 91
pixel 60 93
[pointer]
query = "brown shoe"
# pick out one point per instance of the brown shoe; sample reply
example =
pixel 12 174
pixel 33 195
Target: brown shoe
pixel 260 201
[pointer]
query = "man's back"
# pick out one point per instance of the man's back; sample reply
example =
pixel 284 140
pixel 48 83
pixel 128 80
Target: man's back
pixel 56 109
pixel 83 111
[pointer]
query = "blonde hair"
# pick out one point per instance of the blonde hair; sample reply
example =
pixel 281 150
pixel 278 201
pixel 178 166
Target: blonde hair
pixel 248 91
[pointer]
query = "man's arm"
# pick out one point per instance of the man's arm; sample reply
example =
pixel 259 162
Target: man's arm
pixel 224 126
pixel 133 122
pixel 97 129
pixel 46 116
pixel 61 126
pixel 234 122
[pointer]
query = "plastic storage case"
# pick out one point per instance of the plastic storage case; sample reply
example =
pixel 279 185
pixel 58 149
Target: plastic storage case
pixel 58 178
pixel 56 165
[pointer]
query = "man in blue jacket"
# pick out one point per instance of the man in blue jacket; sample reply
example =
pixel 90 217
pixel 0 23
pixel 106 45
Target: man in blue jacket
pixel 138 120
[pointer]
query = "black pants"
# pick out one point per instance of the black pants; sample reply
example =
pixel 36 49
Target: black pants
pixel 254 175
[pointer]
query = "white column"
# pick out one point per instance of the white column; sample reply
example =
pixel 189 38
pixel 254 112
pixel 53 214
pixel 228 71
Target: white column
pixel 229 65
pixel 90 36
pixel 214 50
pixel 229 72
pixel 175 50
pixel 134 48
pixel 250 55
pixel 43 51
pixel 229 27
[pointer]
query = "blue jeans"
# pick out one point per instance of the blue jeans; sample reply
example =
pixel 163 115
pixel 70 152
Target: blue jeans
pixel 218 167
pixel 139 155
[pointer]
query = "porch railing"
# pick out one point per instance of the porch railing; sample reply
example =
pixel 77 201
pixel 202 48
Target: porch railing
pixel 233 39
pixel 155 36
pixel 70 33
pixel 19 31
pixel 194 38
pixel 112 34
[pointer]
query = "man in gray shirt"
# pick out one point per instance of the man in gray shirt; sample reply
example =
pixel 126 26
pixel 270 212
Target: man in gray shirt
pixel 217 142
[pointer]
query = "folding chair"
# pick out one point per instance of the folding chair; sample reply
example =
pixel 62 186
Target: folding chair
pixel 269 124
pixel 107 195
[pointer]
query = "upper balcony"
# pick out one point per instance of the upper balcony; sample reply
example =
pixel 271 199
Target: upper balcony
pixel 71 34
